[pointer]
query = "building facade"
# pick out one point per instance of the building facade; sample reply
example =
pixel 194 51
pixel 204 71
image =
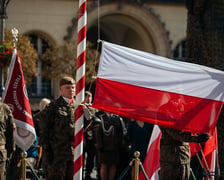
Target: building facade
pixel 158 27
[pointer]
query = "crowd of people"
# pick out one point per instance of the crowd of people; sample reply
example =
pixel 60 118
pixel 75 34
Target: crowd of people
pixel 109 140
pixel 107 137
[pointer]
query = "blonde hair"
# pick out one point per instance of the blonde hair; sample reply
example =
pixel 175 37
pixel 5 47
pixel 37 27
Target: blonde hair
pixel 43 103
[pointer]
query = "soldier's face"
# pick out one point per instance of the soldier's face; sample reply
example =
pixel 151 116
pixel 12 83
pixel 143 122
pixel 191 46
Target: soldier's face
pixel 68 91
pixel 88 99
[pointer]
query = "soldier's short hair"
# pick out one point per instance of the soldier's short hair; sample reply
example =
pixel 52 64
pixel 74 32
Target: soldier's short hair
pixel 66 80
pixel 88 93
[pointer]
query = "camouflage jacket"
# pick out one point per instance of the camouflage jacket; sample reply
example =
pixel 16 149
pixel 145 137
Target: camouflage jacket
pixel 56 123
pixel 174 147
pixel 7 126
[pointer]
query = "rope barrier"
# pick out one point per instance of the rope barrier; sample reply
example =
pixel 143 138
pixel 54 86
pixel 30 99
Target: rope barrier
pixel 143 171
pixel 193 176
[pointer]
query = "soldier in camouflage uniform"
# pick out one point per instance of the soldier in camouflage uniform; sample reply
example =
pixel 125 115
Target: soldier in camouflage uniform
pixel 57 132
pixel 7 145
pixel 175 153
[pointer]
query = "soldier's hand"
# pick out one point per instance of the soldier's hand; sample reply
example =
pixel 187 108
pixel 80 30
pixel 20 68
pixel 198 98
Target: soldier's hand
pixel 203 137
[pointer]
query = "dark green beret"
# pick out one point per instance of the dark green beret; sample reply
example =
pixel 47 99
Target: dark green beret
pixel 67 80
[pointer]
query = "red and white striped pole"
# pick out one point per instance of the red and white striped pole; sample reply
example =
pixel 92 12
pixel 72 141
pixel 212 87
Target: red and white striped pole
pixel 80 90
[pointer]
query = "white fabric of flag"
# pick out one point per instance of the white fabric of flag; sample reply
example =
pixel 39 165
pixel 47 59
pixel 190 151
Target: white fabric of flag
pixel 158 90
pixel 16 97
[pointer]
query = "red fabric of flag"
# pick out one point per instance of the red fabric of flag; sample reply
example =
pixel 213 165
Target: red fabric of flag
pixel 195 148
pixel 15 96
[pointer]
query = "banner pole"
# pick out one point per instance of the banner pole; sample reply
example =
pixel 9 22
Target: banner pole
pixel 80 91
pixel 23 164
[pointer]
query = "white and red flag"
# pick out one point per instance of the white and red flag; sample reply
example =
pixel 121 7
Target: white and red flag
pixel 151 164
pixel 158 90
pixel 15 96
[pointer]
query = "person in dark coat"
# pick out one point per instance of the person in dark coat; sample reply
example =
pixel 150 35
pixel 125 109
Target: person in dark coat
pixel 139 134
pixel 109 139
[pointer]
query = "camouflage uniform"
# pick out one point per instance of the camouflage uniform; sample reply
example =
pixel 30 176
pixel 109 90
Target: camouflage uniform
pixel 175 153
pixel 57 137
pixel 7 145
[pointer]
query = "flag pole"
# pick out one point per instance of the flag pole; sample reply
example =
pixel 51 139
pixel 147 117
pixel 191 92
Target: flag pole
pixel 24 153
pixel 206 165
pixel 80 90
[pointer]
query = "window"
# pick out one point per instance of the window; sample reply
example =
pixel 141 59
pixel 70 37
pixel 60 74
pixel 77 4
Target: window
pixel 40 87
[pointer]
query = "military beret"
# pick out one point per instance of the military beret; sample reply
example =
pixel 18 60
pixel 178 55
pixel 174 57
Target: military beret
pixel 67 80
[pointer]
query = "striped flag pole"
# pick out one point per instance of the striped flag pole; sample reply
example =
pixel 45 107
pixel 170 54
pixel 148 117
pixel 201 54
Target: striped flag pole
pixel 80 89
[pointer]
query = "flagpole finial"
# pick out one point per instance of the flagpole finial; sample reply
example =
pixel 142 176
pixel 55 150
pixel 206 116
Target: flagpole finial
pixel 15 33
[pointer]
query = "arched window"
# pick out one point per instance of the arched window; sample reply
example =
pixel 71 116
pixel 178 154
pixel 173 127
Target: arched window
pixel 40 87
pixel 180 51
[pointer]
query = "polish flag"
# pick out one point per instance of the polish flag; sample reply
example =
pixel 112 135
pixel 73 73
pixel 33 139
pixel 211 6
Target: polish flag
pixel 158 90
pixel 15 96
pixel 151 164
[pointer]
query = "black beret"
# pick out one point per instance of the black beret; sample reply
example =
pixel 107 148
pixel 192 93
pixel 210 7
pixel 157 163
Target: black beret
pixel 67 80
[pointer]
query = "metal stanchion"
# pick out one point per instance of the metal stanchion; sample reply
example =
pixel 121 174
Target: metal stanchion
pixel 137 162
pixel 23 164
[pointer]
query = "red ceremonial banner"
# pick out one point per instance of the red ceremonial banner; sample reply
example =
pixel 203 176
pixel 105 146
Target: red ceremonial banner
pixel 15 96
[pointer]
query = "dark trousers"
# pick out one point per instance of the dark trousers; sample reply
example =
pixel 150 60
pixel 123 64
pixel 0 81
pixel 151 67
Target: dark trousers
pixel 90 152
